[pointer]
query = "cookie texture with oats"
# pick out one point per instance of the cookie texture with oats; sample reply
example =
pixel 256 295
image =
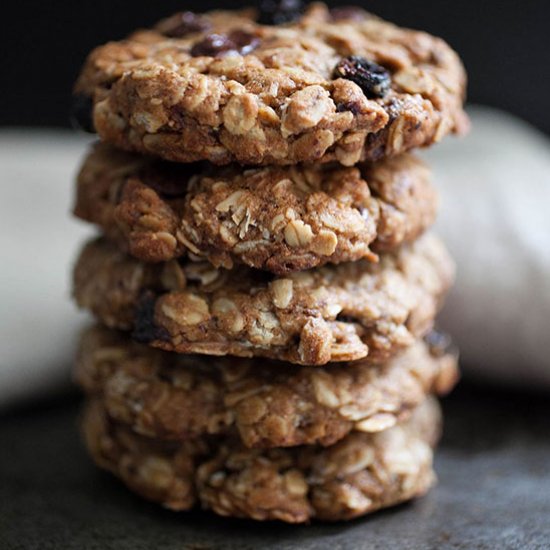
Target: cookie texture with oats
pixel 358 475
pixel 267 404
pixel 332 313
pixel 324 85
pixel 276 218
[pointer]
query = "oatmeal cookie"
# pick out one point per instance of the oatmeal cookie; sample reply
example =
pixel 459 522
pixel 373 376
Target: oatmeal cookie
pixel 178 397
pixel 279 219
pixel 225 86
pixel 360 474
pixel 333 313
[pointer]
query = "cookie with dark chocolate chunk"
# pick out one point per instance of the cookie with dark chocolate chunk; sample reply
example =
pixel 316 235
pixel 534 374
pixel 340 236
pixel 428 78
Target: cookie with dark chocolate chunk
pixel 276 86
pixel 343 312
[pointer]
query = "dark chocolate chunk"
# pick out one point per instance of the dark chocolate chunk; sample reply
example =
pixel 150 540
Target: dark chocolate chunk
pixel 244 41
pixel 273 12
pixel 236 41
pixel 212 45
pixel 145 330
pixel 373 79
pixel 82 113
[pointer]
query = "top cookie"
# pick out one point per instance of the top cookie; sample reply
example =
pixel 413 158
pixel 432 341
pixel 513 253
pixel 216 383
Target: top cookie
pixel 330 85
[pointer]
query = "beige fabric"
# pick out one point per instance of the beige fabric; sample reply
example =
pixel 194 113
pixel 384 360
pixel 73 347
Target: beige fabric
pixel 38 241
pixel 495 187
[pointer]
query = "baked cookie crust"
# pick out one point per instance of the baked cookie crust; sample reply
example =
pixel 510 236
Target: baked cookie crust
pixel 266 404
pixel 327 86
pixel 359 475
pixel 279 219
pixel 333 313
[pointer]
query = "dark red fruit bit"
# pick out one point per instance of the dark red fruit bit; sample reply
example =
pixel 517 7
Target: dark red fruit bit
pixel 145 330
pixel 214 45
pixel 81 113
pixel 273 12
pixel 352 106
pixel 244 41
pixel 373 79
pixel 183 23
pixel 352 13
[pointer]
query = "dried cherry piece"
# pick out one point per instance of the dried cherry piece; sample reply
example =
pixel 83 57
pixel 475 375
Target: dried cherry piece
pixel 82 113
pixel 212 45
pixel 244 41
pixel 373 79
pixel 220 44
pixel 182 24
pixel 273 12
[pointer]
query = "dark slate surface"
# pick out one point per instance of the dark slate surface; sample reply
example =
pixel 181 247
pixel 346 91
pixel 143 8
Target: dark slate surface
pixel 494 491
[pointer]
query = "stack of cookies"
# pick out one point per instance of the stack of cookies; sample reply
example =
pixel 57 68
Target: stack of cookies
pixel 264 283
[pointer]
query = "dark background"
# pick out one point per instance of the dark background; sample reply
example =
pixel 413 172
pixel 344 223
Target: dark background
pixel 505 45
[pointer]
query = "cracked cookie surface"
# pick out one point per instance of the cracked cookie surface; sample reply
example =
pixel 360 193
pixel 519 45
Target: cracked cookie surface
pixel 179 397
pixel 360 474
pixel 332 313
pixel 279 219
pixel 327 86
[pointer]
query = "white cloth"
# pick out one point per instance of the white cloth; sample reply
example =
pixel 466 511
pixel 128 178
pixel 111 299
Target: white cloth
pixel 38 242
pixel 495 218
pixel 495 187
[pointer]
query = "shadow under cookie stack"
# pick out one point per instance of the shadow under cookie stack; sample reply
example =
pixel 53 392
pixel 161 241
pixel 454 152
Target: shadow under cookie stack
pixel 264 283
